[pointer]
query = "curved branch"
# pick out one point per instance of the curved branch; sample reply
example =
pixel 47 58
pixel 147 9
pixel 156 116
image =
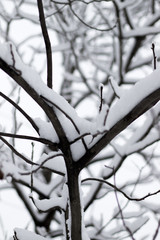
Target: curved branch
pixel 88 25
pixel 119 190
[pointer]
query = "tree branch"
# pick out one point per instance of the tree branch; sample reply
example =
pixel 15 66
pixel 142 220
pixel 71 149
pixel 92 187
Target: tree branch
pixel 47 43
pixel 21 111
pixel 119 190
pixel 46 108
pixel 134 113
pixel 41 140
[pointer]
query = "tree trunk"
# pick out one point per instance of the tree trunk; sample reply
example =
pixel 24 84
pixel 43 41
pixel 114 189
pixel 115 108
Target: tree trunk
pixel 75 205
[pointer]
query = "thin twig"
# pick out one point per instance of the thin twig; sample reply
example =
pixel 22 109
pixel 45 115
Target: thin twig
pixel 41 165
pixel 25 137
pixel 16 125
pixel 21 111
pixel 14 61
pixel 121 213
pixel 157 230
pixel 105 118
pixel 15 151
pixel 114 90
pixel 101 98
pixel 67 116
pixel 154 56
pixel 88 25
pixel 32 156
pixel 119 190
pixel 15 236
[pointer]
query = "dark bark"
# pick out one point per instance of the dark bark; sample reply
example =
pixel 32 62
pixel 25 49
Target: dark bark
pixel 47 43
pixel 122 124
pixel 75 204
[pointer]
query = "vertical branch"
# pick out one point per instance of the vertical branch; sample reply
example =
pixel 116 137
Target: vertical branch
pixel 121 213
pixel 120 42
pixel 154 56
pixel 153 6
pixel 67 223
pixel 101 98
pixel 47 43
pixel 32 155
pixel 75 204
pixel 16 126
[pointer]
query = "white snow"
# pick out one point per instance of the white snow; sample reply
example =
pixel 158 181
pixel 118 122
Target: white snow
pixel 73 125
pixel 143 31
pixel 132 97
pixel 147 141
pixel 34 80
pixel 48 204
pixel 23 234
pixel 46 130
pixel 10 170
pixel 116 88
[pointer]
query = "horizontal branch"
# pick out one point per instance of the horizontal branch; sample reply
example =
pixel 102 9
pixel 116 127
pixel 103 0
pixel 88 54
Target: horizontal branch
pixel 41 140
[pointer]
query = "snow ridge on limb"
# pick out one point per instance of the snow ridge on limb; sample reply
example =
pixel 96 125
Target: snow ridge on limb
pixel 31 82
pixel 136 101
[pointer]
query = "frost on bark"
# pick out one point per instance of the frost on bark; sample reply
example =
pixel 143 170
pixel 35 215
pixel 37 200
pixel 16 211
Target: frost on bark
pixel 95 140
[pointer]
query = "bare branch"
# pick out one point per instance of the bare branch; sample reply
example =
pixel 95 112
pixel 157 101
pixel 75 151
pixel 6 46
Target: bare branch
pixel 41 140
pixel 41 165
pixel 134 113
pixel 101 98
pixel 121 213
pixel 88 25
pixel 157 230
pixel 47 43
pixel 21 111
pixel 119 190
pixel 154 56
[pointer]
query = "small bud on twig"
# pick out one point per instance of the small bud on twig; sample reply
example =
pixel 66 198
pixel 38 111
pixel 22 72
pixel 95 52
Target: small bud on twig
pixel 101 97
pixel 154 56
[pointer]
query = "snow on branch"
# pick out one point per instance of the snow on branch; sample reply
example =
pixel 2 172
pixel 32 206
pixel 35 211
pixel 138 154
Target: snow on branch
pixel 13 172
pixel 21 234
pixel 132 104
pixel 56 202
pixel 139 32
pixel 132 97
pixel 31 82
